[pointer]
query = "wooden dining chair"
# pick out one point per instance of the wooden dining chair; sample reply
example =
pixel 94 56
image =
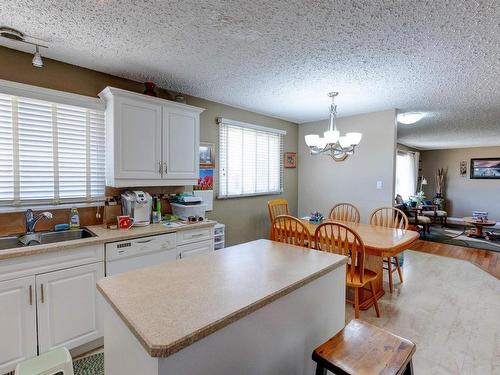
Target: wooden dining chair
pixel 340 239
pixel 290 230
pixel 345 212
pixel 277 207
pixel 390 217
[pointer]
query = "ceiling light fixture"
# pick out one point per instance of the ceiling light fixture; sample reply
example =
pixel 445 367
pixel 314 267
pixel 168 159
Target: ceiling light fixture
pixel 410 117
pixel 37 59
pixel 18 36
pixel 337 146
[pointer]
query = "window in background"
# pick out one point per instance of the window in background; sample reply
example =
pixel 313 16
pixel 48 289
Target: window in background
pixel 50 153
pixel 250 159
pixel 406 173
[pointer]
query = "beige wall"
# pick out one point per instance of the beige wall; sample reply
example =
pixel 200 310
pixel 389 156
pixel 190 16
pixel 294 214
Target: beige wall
pixel 463 194
pixel 324 182
pixel 245 218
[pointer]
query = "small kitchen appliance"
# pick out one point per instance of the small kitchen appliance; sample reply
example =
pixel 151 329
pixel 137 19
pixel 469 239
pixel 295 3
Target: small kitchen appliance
pixel 137 205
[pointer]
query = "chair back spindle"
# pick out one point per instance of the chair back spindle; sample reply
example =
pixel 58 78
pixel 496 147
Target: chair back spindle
pixel 345 212
pixel 340 239
pixel 277 207
pixel 389 217
pixel 290 230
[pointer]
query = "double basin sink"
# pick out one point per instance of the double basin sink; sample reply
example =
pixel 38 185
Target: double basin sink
pixel 42 238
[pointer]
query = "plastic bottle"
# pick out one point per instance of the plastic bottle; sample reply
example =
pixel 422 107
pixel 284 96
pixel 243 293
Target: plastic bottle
pixel 74 219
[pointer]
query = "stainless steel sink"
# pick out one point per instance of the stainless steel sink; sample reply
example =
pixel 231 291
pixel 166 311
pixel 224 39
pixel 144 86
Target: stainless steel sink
pixel 10 242
pixel 65 235
pixel 43 238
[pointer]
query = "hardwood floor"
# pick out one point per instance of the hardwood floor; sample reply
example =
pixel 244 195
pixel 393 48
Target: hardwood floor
pixel 488 261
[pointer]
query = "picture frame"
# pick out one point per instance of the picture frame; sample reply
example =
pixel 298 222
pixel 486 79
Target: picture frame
pixel 463 168
pixel 485 168
pixel 207 155
pixel 290 160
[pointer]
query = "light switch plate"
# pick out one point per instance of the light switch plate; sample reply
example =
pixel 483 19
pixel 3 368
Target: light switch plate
pixel 379 185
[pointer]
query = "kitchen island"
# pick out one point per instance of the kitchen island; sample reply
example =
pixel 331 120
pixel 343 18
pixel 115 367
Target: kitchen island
pixel 255 308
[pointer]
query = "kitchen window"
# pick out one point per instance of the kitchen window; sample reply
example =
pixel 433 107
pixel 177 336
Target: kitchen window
pixel 51 151
pixel 250 159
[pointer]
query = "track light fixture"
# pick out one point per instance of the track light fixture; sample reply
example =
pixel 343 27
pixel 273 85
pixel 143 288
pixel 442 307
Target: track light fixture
pixel 18 36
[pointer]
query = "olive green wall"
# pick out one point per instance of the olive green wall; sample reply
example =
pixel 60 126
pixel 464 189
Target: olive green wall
pixel 245 218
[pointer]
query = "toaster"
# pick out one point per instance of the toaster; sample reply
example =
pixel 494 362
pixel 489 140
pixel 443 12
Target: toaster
pixel 137 204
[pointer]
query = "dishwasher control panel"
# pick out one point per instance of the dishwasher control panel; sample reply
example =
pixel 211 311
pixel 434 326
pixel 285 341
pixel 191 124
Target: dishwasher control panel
pixel 140 246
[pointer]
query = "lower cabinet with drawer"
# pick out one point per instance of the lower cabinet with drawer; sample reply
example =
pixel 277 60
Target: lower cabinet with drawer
pixel 43 311
pixel 194 242
pixel 195 248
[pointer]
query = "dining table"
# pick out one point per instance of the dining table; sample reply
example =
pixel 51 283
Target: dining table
pixel 380 242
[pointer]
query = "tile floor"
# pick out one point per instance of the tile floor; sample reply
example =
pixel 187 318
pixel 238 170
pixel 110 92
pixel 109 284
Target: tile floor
pixel 450 309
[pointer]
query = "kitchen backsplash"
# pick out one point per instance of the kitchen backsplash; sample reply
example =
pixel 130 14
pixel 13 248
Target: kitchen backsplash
pixel 14 222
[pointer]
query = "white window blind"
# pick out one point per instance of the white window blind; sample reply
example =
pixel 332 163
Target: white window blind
pixel 50 153
pixel 250 159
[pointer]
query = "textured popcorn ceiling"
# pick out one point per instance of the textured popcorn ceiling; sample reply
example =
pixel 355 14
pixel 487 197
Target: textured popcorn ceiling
pixel 282 57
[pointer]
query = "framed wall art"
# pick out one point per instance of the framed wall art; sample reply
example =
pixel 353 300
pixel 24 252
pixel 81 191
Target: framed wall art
pixel 207 155
pixel 487 168
pixel 290 160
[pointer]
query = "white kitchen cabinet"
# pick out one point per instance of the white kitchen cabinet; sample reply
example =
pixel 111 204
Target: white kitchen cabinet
pixel 137 140
pixel 18 339
pixel 195 248
pixel 181 139
pixel 150 141
pixel 67 307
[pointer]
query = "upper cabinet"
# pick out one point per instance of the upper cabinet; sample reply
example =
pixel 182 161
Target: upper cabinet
pixel 150 141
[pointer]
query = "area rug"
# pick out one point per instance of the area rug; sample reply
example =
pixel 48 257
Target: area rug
pixel 91 365
pixel 455 235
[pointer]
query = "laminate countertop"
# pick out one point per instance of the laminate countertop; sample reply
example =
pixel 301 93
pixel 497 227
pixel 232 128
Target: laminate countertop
pixel 103 236
pixel 172 305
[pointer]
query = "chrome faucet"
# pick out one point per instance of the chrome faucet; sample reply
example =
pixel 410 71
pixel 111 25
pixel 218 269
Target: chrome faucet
pixel 31 220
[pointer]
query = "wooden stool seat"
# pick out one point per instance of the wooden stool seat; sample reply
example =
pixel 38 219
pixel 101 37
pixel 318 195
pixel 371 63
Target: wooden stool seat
pixel 363 349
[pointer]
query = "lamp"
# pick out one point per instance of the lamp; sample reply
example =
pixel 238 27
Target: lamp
pixel 337 146
pixel 423 181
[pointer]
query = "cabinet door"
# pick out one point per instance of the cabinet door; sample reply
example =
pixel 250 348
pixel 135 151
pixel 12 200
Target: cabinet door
pixel 181 141
pixel 17 322
pixel 68 307
pixel 197 248
pixel 137 145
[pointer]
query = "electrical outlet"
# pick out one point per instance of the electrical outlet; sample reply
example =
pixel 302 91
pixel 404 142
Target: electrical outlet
pixel 379 185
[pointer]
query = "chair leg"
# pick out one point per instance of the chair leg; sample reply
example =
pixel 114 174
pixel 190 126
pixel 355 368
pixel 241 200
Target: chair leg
pixel 375 302
pixel 389 268
pixel 409 369
pixel 400 271
pixel 320 370
pixel 356 303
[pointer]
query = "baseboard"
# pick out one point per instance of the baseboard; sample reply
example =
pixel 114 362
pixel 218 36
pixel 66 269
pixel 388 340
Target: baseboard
pixel 460 221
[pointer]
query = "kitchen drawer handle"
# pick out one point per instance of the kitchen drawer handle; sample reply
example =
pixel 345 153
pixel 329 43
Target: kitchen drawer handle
pixel 144 241
pixel 198 235
pixel 42 297
pixel 31 294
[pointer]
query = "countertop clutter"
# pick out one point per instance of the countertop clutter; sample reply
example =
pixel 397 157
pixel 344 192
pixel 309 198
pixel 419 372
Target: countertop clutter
pixel 210 291
pixel 103 235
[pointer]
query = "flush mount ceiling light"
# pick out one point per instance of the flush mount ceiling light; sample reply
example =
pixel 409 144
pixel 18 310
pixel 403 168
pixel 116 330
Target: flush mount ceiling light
pixel 332 143
pixel 410 117
pixel 18 36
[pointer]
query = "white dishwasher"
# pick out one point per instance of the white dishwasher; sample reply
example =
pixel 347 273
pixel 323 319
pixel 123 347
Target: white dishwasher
pixel 123 256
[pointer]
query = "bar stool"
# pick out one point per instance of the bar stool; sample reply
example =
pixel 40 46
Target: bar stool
pixel 57 361
pixel 362 348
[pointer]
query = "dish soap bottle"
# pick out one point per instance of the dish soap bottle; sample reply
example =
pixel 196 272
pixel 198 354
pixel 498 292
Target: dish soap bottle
pixel 74 219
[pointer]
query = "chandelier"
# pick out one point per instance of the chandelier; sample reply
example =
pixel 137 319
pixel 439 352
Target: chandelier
pixel 338 147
